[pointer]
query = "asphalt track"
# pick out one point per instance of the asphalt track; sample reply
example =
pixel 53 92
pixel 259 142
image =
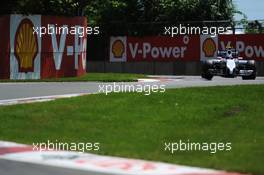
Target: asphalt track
pixel 25 90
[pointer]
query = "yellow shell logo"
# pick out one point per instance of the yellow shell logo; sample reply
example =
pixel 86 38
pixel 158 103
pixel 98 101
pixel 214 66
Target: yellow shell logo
pixel 209 47
pixel 26 46
pixel 118 49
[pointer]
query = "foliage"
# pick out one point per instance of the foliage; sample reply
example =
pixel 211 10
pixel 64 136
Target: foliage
pixel 131 16
pixel 127 10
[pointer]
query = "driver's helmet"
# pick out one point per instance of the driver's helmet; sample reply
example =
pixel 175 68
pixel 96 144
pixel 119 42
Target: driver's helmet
pixel 229 51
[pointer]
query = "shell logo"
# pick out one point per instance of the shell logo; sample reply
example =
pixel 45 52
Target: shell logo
pixel 26 46
pixel 118 49
pixel 209 47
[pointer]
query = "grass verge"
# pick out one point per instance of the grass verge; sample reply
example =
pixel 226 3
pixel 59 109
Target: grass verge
pixel 134 125
pixel 101 77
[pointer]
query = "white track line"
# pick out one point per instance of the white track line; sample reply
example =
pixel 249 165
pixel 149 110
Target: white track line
pixel 147 80
pixel 38 99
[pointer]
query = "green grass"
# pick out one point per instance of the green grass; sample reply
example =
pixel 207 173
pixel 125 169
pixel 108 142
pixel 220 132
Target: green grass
pixel 102 77
pixel 134 125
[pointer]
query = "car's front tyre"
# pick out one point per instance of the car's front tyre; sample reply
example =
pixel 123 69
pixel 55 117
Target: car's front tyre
pixel 207 76
pixel 249 77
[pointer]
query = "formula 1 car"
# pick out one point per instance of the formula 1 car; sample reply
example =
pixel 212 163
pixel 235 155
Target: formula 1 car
pixel 229 64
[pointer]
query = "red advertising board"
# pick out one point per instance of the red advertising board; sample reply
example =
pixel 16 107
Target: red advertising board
pixel 249 46
pixel 183 48
pixel 34 47
pixel 69 49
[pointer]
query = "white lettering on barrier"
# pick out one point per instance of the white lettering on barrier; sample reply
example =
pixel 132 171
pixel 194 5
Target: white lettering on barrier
pixel 133 50
pixel 58 51
pixel 58 48
pixel 248 50
pixel 79 49
pixel 156 52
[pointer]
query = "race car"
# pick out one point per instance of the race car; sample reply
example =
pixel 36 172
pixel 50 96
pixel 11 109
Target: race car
pixel 229 64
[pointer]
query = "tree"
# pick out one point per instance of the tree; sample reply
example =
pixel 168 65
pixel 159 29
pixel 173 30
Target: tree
pixel 127 10
pixel 8 7
pixel 45 7
pixel 128 14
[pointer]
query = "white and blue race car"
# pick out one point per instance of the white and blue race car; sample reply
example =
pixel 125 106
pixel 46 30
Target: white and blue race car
pixel 229 64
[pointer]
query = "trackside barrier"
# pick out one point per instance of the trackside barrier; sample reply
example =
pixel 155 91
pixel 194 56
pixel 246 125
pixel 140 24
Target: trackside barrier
pixel 155 68
pixel 183 47
pixel 37 47
pixel 179 55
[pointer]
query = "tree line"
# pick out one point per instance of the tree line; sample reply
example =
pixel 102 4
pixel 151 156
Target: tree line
pixel 128 11
pixel 131 16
